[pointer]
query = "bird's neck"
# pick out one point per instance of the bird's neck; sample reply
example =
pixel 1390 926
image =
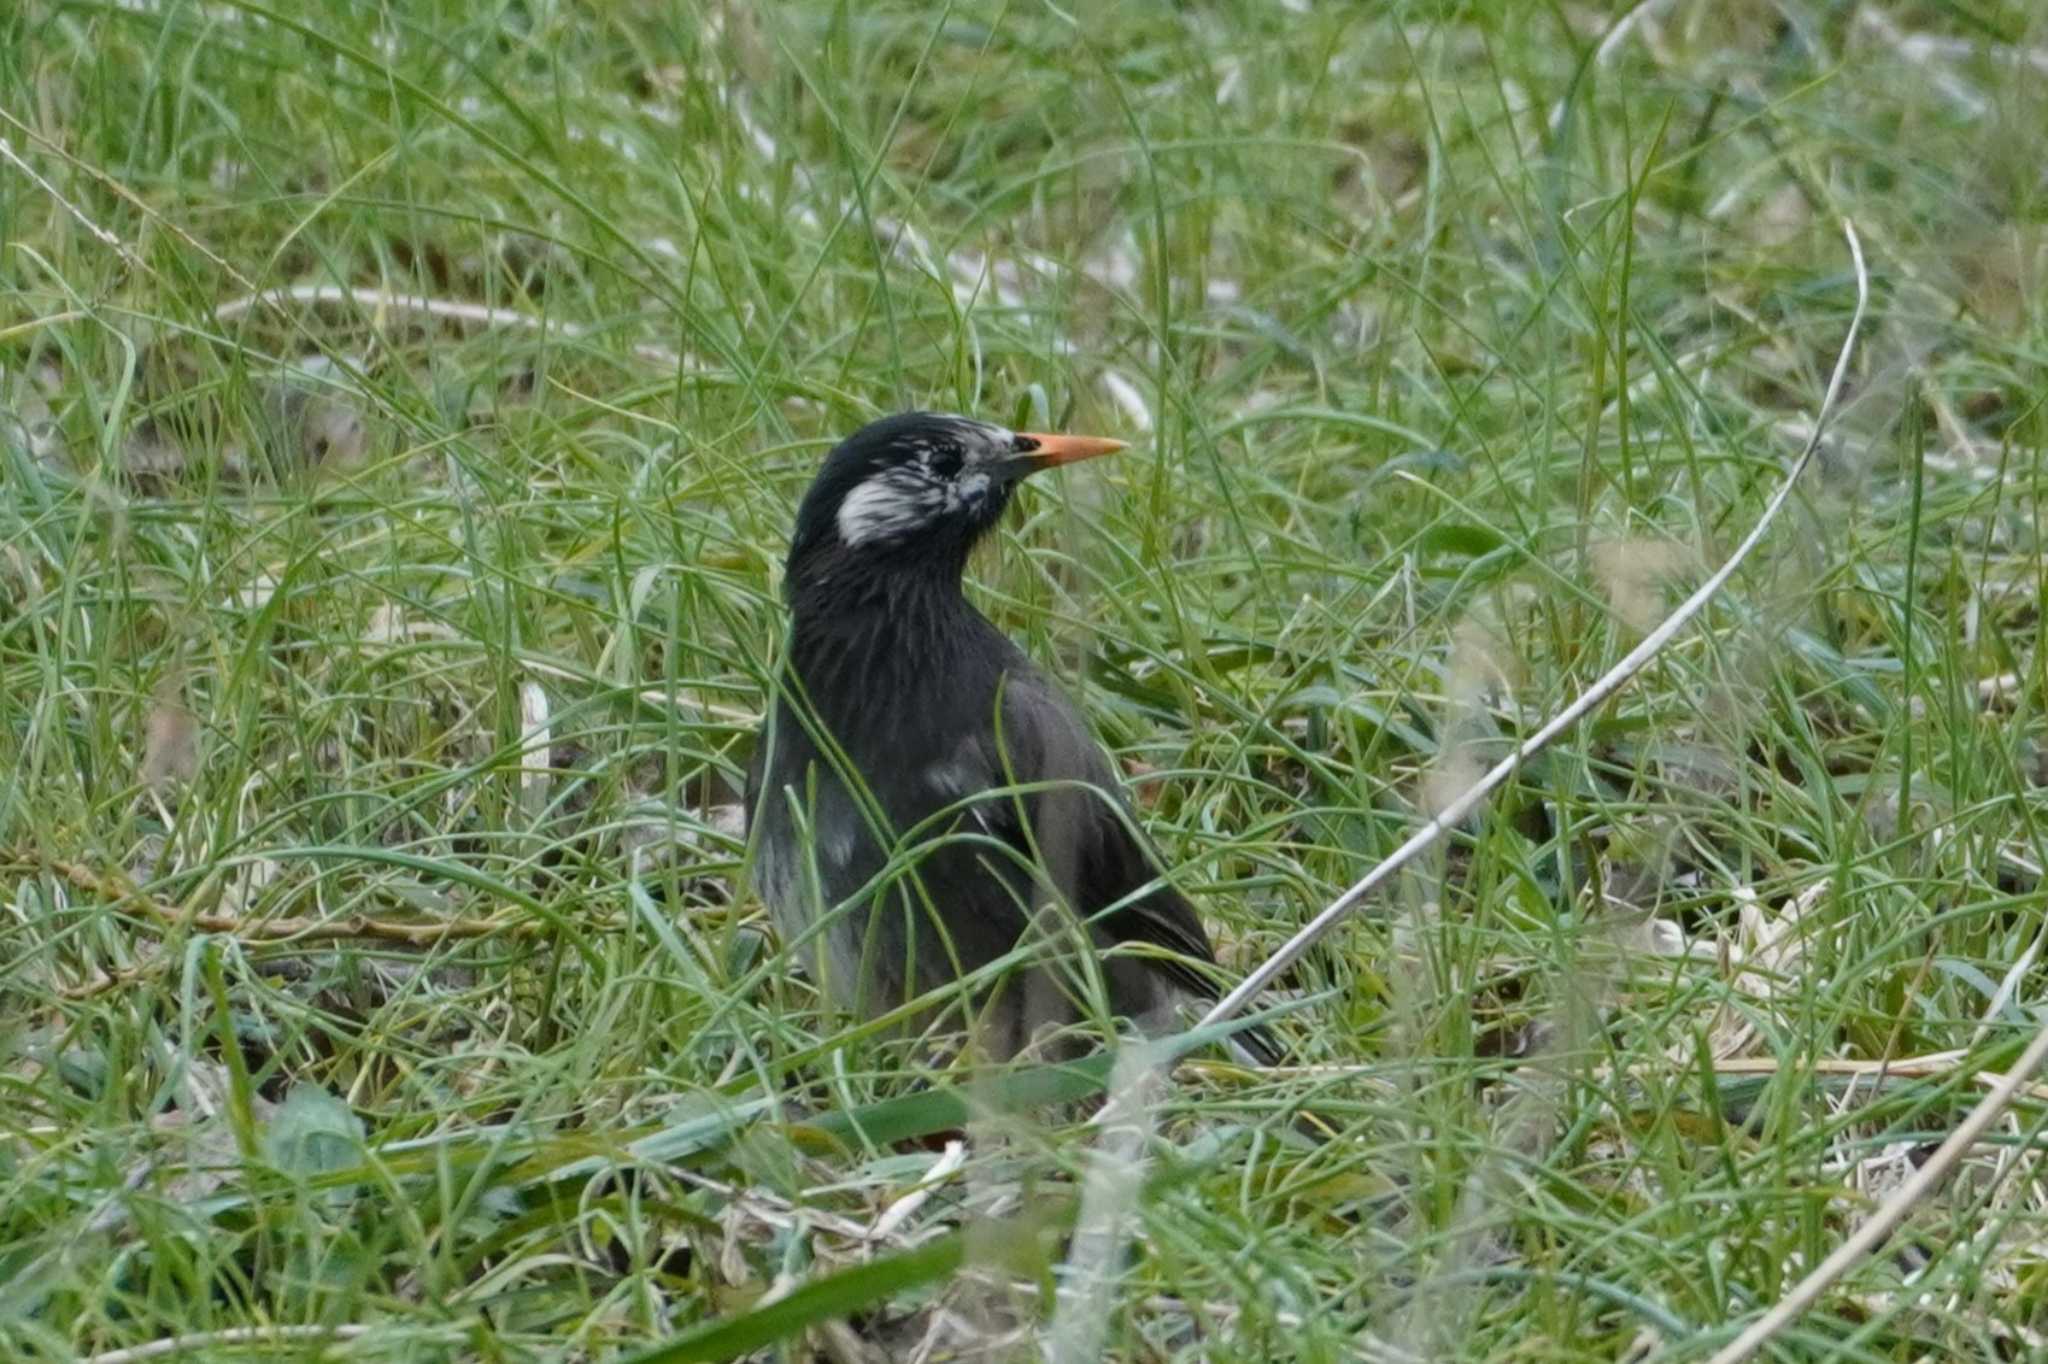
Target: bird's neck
pixel 879 636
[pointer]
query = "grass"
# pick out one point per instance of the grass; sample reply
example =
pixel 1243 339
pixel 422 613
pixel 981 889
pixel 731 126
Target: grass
pixel 374 681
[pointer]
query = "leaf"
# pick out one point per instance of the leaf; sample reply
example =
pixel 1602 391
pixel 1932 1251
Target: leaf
pixel 835 1295
pixel 939 1110
pixel 1462 539
pixel 1322 696
pixel 313 1133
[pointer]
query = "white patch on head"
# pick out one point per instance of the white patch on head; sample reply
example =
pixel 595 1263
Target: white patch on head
pixel 888 504
pixel 898 500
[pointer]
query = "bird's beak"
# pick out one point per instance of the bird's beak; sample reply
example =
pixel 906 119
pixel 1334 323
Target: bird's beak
pixel 1055 449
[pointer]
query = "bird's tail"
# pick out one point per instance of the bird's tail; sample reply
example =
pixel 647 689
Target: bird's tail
pixel 1256 1046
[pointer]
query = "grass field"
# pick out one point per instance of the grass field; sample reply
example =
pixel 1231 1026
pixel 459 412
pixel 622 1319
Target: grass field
pixel 401 414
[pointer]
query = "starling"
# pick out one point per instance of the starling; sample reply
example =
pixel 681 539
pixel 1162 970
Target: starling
pixel 925 801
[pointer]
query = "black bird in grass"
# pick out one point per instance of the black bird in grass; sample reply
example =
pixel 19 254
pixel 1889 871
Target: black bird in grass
pixel 926 786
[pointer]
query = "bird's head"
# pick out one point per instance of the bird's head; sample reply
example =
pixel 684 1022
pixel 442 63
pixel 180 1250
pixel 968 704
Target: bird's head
pixel 918 489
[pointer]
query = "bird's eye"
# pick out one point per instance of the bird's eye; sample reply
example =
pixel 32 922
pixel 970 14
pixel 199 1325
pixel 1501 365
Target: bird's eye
pixel 944 461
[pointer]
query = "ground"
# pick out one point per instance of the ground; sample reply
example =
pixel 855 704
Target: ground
pixel 401 416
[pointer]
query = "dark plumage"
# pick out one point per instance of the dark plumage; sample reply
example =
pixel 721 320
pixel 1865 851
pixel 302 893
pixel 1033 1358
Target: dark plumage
pixel 902 718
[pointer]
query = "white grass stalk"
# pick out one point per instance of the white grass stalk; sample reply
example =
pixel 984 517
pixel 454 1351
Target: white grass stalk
pixel 1606 686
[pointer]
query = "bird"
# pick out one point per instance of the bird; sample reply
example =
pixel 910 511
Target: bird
pixel 924 801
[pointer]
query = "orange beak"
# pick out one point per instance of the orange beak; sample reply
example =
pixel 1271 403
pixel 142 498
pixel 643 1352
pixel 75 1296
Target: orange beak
pixel 1055 449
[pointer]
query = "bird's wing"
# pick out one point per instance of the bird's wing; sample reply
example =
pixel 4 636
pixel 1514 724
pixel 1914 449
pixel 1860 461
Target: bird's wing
pixel 1092 852
pixel 1090 847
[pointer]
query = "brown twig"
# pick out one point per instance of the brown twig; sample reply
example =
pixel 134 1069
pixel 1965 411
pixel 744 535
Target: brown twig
pixel 119 891
pixel 1935 1065
pixel 442 309
pixel 199 1341
pixel 1931 1066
